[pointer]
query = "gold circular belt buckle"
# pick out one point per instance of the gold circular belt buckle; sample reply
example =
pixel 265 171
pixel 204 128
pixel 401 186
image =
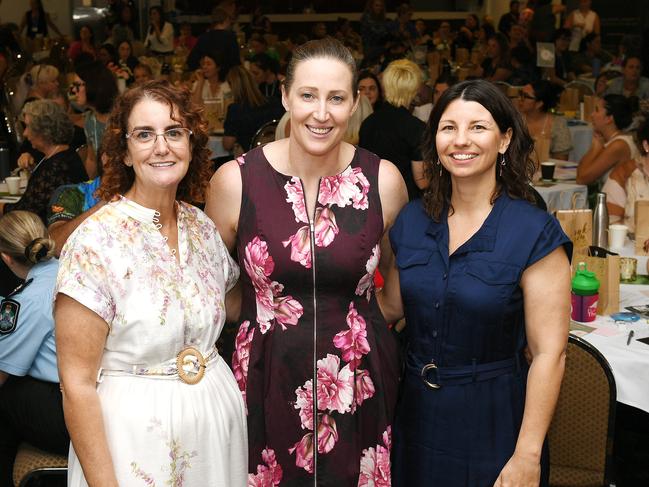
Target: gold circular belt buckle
pixel 191 365
pixel 424 375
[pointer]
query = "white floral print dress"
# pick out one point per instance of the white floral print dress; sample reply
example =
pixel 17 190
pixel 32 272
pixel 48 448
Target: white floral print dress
pixel 160 431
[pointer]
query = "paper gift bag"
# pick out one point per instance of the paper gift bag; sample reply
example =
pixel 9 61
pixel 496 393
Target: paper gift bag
pixel 607 271
pixel 541 151
pixel 578 226
pixel 641 221
pixel 569 101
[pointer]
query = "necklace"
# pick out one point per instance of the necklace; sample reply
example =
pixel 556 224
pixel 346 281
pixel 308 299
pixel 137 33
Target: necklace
pixel 55 150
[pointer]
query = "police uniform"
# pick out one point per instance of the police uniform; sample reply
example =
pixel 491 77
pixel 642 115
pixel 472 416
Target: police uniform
pixel 30 399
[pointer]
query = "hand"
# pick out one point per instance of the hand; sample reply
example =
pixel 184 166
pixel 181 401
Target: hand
pixel 520 471
pixel 598 139
pixel 26 161
pixel 645 246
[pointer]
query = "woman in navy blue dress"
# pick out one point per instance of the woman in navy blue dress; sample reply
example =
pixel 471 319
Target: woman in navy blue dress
pixel 484 274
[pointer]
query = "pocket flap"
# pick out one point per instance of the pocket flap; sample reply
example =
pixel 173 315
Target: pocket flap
pixel 494 272
pixel 410 257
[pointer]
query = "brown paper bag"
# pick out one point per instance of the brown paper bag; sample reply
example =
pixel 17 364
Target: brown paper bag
pixel 607 271
pixel 569 101
pixel 641 220
pixel 589 106
pixel 541 151
pixel 578 226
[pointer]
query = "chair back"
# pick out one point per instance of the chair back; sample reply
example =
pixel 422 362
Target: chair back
pixel 582 87
pixel 264 135
pixel 581 434
pixel 32 463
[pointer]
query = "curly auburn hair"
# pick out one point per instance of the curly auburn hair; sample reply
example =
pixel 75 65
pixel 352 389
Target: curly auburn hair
pixel 518 169
pixel 117 177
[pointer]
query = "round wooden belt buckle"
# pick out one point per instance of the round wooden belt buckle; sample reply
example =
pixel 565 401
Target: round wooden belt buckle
pixel 191 365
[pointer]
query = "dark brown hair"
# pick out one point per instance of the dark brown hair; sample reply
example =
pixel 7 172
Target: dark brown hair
pixel 519 168
pixel 118 177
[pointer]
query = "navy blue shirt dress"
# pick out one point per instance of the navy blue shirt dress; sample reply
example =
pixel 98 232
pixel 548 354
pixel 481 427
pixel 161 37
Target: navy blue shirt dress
pixel 463 394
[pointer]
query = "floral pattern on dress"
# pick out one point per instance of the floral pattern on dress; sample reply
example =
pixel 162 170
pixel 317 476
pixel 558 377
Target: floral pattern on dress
pixel 375 464
pixel 349 187
pixel 271 306
pixel 327 438
pixel 179 461
pixel 366 283
pixel 269 474
pixel 241 355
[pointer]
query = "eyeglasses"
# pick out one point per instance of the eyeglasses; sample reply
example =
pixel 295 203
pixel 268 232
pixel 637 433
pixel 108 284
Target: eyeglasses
pixel 176 137
pixel 525 96
pixel 77 84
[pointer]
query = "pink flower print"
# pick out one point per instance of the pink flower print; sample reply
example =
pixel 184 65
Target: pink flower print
pixel 343 189
pixel 305 404
pixel 325 227
pixel 335 387
pixel 268 474
pixel 258 262
pixel 375 464
pixel 287 311
pixel 300 246
pixel 303 450
pixel 327 434
pixel 364 388
pixel 295 196
pixel 241 355
pixel 366 283
pixel 241 159
pixel 271 306
pixel 353 342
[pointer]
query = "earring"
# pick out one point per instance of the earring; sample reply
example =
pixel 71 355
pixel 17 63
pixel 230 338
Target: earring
pixel 439 163
pixel 503 163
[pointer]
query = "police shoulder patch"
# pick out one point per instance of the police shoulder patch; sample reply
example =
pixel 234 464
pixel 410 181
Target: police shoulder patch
pixel 9 309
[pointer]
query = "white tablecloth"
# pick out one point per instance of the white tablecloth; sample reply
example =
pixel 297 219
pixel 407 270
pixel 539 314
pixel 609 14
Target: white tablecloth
pixel 582 137
pixel 630 363
pixel 562 195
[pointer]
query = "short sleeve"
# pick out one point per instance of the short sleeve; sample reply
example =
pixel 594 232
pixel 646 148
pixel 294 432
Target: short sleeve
pixel 561 138
pixel 230 267
pixel 19 348
pixel 83 273
pixel 550 237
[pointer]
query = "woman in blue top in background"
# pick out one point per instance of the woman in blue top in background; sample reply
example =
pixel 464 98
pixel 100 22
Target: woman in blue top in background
pixel 30 399
pixel 484 274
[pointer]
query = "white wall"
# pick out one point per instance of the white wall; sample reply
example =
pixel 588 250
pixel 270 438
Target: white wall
pixel 60 12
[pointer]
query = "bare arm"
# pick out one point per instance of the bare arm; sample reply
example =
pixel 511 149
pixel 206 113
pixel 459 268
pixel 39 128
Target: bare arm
pixel 546 294
pixel 80 339
pixel 224 200
pixel 60 231
pixel 600 159
pixel 52 25
pixel 394 196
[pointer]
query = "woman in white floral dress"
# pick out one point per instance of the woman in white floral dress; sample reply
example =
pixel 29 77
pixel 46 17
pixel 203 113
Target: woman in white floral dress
pixel 141 289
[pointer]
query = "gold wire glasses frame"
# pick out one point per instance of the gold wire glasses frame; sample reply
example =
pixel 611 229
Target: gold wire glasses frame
pixel 147 138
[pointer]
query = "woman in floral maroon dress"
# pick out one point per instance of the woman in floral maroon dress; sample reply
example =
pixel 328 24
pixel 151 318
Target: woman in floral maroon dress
pixel 309 216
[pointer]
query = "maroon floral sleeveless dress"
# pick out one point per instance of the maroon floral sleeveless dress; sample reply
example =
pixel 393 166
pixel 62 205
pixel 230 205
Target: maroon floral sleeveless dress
pixel 314 357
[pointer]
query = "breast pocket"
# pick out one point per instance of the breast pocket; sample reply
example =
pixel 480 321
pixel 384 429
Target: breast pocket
pixel 497 280
pixel 416 275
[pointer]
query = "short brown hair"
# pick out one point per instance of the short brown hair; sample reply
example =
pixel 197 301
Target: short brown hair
pixel 118 177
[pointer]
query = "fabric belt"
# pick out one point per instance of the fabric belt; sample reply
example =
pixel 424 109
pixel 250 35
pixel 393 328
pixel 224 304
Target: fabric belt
pixel 435 376
pixel 189 366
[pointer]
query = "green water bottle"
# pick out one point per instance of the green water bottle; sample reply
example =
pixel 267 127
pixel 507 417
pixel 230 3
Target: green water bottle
pixel 584 295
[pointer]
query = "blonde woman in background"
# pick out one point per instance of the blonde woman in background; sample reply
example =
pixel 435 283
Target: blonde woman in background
pixel 43 80
pixel 392 132
pixel 30 399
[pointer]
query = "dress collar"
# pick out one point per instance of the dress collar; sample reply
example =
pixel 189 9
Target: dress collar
pixel 137 211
